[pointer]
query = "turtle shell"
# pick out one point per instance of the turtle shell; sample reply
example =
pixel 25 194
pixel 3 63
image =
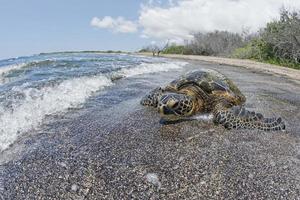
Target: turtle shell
pixel 210 81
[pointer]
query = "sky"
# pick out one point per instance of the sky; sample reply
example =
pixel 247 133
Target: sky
pixel 35 26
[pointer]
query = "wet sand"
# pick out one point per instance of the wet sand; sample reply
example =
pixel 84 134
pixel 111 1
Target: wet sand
pixel 116 149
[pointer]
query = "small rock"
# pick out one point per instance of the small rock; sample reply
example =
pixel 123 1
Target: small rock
pixel 272 163
pixel 251 175
pixel 180 158
pixel 62 164
pixel 176 167
pixel 153 178
pixel 74 187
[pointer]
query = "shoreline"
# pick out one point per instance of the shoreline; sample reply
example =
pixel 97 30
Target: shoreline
pixel 248 64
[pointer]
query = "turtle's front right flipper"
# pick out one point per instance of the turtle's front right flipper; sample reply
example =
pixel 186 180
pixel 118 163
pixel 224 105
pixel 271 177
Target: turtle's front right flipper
pixel 238 117
pixel 152 98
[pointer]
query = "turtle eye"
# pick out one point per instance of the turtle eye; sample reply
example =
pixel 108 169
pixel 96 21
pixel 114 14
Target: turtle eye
pixel 175 105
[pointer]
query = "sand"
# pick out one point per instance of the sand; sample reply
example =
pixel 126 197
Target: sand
pixel 249 64
pixel 117 149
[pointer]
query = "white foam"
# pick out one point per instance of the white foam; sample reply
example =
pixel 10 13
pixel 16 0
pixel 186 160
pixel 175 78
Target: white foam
pixel 39 103
pixel 6 69
pixel 145 68
pixel 204 117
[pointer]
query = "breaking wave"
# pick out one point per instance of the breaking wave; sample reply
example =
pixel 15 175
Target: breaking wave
pixel 7 69
pixel 32 104
pixel 151 68
pixel 45 101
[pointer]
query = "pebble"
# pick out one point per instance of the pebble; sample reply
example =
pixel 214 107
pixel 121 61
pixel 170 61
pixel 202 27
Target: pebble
pixel 153 178
pixel 74 187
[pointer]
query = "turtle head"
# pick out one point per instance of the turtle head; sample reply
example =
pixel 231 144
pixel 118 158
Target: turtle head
pixel 173 106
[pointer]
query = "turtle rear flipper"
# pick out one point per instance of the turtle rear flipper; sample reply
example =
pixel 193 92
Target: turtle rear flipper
pixel 238 117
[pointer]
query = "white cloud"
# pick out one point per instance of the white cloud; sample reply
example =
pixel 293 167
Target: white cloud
pixel 178 21
pixel 117 25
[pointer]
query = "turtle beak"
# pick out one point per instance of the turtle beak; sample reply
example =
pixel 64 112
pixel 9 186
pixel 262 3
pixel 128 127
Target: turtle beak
pixel 163 110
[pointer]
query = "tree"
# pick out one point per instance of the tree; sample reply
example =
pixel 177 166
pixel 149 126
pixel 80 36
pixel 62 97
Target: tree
pixel 215 43
pixel 155 48
pixel 284 36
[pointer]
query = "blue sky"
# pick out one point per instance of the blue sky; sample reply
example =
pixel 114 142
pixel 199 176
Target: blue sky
pixel 34 26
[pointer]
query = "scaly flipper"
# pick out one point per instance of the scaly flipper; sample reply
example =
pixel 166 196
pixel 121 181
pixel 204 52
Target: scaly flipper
pixel 238 117
pixel 152 98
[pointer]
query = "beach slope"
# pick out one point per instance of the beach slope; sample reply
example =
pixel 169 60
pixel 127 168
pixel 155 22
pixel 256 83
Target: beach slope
pixel 118 149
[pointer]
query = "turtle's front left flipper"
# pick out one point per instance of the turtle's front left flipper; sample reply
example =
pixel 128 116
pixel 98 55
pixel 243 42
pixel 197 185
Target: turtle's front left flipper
pixel 238 117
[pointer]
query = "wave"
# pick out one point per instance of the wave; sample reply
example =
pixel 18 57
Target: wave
pixel 7 69
pixel 28 113
pixel 39 103
pixel 146 68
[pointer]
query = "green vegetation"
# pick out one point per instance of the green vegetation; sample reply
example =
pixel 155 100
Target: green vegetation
pixel 278 43
pixel 261 51
pixel 175 49
pixel 178 49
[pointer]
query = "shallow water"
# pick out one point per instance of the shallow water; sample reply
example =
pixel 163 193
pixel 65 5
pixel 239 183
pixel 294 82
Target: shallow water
pixel 36 87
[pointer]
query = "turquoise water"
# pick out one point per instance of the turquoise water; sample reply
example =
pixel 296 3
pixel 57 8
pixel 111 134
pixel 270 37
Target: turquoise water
pixel 32 88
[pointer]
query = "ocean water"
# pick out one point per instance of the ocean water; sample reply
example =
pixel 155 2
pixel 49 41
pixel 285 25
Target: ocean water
pixel 33 88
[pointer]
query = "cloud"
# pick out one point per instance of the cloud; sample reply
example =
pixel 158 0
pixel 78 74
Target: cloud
pixel 117 25
pixel 179 21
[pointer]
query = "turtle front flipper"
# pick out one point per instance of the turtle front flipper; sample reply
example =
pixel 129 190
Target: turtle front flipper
pixel 152 98
pixel 238 117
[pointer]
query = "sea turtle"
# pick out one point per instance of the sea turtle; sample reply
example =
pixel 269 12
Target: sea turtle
pixel 207 91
